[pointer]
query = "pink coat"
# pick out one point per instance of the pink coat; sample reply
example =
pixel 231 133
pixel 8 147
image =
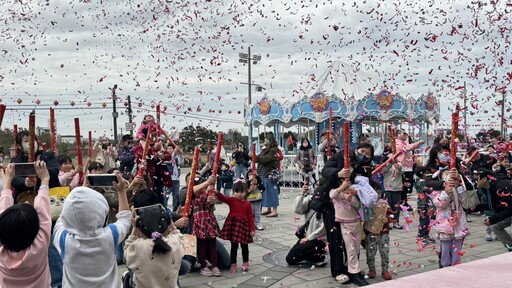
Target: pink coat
pixel 451 220
pixel 28 268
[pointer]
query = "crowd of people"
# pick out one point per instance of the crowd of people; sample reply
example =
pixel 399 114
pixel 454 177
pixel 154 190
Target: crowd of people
pixel 142 219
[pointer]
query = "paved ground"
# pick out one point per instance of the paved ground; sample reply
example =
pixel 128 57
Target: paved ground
pixel 279 236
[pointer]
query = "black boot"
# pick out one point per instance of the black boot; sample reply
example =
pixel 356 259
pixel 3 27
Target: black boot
pixel 358 279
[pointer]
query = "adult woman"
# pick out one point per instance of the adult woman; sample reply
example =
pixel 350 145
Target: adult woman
pixel 267 169
pixel 306 159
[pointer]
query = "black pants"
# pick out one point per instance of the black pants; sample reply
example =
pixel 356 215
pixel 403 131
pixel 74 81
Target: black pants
pixel 408 183
pixel 336 245
pixel 234 252
pixel 310 251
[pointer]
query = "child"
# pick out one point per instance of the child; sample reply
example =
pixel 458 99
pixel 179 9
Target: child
pixel 154 234
pixel 254 197
pixel 239 225
pixel 68 174
pixel 25 234
pixel 393 187
pixel 377 238
pixel 226 179
pixel 148 120
pixel 86 246
pixel 451 223
pixel 346 205
pixel 426 209
pixel 205 228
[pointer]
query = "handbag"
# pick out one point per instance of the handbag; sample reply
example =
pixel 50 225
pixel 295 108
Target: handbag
pixel 469 199
pixel 301 231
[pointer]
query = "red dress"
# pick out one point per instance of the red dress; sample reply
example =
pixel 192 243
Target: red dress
pixel 240 223
pixel 205 224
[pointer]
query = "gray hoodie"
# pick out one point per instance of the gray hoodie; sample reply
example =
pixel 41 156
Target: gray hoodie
pixel 85 244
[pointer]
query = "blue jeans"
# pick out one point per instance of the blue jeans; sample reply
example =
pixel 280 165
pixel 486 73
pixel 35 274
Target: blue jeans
pixel 240 171
pixel 55 263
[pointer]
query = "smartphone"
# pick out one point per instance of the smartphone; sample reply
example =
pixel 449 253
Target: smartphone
pixel 101 180
pixel 24 169
pixel 137 210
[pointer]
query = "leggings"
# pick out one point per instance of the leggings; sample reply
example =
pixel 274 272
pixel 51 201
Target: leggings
pixel 449 252
pixel 234 252
pixel 204 245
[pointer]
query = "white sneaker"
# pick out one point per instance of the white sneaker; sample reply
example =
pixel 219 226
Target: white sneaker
pixel 325 262
pixel 259 227
pixel 488 237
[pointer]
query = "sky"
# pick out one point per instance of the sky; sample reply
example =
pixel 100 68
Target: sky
pixel 185 56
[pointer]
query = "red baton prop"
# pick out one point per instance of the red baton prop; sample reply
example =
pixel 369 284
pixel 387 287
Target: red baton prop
pixel 346 145
pixel 31 136
pixel 217 156
pixel 140 172
pixel 52 130
pixel 166 136
pixel 79 156
pixel 453 142
pixel 2 113
pixel 329 134
pixel 391 159
pixel 158 120
pixel 190 187
pixel 15 132
pixel 253 158
pixel 392 137
pixel 472 157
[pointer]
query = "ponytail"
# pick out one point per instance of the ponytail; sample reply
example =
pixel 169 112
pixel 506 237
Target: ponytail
pixel 152 223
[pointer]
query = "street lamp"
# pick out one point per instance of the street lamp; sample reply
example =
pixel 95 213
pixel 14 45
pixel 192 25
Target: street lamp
pixel 254 59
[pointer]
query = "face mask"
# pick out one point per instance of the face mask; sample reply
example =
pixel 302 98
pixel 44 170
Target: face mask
pixel 305 145
pixel 443 158
pixel 25 146
pixel 361 159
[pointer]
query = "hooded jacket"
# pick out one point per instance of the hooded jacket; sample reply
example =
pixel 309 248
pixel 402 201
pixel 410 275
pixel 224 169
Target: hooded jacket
pixel 28 268
pixel 86 246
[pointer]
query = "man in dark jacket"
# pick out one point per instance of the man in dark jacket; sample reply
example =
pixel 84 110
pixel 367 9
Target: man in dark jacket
pixel 241 157
pixel 125 155
pixel 503 219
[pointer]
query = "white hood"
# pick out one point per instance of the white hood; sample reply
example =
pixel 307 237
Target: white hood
pixel 84 211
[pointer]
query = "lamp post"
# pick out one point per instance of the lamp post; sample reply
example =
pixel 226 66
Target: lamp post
pixel 247 58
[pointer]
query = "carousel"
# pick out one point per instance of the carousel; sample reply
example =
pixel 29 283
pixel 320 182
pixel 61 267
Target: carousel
pixel 342 94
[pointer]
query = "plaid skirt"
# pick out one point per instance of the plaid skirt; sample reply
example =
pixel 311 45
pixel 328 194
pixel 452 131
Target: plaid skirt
pixel 236 230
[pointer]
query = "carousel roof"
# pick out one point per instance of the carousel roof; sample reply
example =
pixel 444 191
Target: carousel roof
pixel 348 94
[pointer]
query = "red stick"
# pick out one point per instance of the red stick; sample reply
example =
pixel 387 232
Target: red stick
pixel 217 159
pixel 453 142
pixel 140 172
pixel 15 132
pixel 392 137
pixel 472 157
pixel 329 136
pixel 79 156
pixel 190 187
pixel 2 113
pixel 158 120
pixel 346 145
pixel 253 158
pixel 31 136
pixel 52 130
pixel 89 148
pixel 166 136
pixel 208 151
pixel 217 155
pixel 392 158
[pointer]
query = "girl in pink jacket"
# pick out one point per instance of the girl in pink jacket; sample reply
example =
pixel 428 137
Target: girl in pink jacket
pixel 24 251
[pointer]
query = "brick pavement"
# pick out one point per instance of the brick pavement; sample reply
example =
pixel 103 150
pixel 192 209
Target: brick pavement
pixel 279 235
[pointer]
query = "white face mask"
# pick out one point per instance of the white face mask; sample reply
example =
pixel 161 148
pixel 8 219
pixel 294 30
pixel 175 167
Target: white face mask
pixel 442 157
pixel 25 146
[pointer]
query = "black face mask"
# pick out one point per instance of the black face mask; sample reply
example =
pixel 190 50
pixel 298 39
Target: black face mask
pixel 361 159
